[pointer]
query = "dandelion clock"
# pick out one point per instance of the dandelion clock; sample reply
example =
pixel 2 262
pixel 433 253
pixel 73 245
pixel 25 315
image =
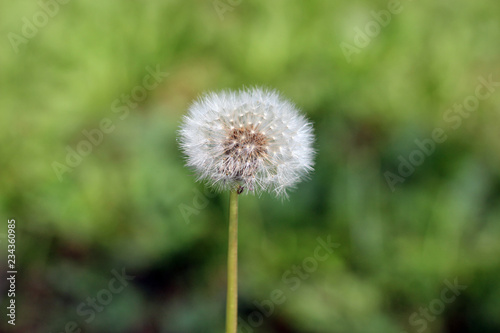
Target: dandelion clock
pixel 250 141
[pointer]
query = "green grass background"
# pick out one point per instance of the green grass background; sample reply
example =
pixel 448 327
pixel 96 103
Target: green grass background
pixel 122 206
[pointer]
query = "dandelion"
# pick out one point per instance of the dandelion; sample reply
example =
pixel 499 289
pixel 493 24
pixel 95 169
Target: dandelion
pixel 250 140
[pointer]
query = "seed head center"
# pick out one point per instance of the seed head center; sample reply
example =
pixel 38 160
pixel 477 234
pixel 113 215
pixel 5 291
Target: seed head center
pixel 245 144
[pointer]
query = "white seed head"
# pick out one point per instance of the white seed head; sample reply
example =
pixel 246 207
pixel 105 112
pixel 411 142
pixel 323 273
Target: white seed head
pixel 250 138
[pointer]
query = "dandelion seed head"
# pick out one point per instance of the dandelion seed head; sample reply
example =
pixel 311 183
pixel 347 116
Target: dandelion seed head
pixel 251 138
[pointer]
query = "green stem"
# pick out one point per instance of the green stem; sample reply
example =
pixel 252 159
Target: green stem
pixel 232 266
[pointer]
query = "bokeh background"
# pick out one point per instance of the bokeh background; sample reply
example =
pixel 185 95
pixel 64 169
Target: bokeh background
pixel 131 204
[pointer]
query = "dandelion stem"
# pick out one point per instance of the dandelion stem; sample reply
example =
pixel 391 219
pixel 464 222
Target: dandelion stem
pixel 232 265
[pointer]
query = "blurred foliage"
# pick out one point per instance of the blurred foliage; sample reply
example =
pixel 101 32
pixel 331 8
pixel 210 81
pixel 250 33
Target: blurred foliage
pixel 124 205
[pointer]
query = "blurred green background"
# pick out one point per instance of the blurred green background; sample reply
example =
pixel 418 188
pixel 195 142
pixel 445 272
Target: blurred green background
pixel 131 204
